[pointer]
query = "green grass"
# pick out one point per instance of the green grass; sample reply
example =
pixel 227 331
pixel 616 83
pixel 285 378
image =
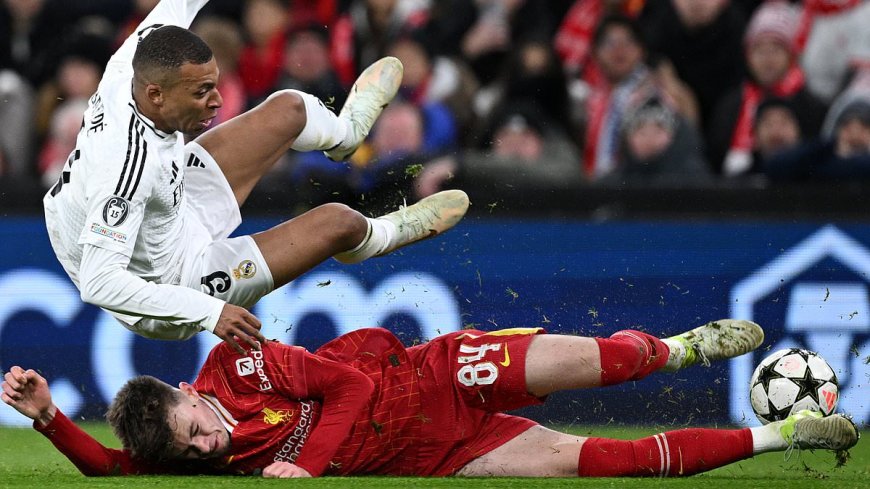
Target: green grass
pixel 28 460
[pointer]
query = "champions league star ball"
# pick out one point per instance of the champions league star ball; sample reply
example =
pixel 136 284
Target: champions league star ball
pixel 790 380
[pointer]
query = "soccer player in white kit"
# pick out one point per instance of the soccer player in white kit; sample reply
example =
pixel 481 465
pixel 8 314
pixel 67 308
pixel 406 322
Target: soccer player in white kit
pixel 140 220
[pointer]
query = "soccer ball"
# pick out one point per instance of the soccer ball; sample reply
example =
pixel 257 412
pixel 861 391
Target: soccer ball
pixel 790 380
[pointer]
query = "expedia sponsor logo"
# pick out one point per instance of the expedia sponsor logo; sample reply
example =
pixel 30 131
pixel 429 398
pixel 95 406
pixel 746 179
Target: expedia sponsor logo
pixel 274 417
pixel 245 366
pixel 108 233
pixel 293 445
pixel 246 269
pixel 254 364
pixel 115 211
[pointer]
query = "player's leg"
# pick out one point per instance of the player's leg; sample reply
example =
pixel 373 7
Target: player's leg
pixel 539 452
pixel 247 146
pixel 335 230
pixel 558 362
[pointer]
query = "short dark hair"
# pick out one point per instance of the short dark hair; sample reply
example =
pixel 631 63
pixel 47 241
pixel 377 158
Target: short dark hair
pixel 164 51
pixel 617 20
pixel 139 416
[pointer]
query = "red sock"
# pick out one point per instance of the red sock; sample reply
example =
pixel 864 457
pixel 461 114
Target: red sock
pixel 674 453
pixel 630 355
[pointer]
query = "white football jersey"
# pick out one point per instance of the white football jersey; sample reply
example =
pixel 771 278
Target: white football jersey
pixel 122 188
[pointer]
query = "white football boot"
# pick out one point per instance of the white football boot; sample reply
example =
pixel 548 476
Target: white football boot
pixel 811 430
pixel 427 218
pixel 716 340
pixel 372 91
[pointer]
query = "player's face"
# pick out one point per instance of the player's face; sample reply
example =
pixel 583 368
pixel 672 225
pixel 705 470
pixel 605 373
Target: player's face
pixel 199 433
pixel 190 105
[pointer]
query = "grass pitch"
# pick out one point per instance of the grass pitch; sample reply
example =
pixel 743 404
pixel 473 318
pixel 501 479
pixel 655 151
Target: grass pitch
pixel 27 460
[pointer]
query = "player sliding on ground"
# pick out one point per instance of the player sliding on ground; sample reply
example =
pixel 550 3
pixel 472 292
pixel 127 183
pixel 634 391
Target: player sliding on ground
pixel 365 404
pixel 140 220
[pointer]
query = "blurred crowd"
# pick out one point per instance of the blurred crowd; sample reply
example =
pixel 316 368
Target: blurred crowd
pixel 520 92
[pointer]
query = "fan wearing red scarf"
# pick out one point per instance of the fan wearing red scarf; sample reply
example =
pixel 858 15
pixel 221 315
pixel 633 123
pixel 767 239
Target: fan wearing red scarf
pixel 773 72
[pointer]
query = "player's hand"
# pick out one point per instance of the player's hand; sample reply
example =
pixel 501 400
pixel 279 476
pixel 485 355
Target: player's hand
pixel 284 470
pixel 27 392
pixel 237 323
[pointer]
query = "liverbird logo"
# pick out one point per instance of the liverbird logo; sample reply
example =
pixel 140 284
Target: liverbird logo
pixel 275 417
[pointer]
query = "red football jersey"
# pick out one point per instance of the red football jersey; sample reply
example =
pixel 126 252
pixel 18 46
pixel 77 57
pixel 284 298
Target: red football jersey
pixel 391 410
pixel 285 404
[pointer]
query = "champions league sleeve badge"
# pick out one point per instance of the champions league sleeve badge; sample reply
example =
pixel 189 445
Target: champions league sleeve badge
pixel 115 211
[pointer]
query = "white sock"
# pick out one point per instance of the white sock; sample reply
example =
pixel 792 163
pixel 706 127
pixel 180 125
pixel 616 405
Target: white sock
pixel 676 355
pixel 767 438
pixel 379 238
pixel 323 129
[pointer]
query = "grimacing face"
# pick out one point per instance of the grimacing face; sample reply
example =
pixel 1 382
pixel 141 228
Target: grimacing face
pixel 190 104
pixel 199 433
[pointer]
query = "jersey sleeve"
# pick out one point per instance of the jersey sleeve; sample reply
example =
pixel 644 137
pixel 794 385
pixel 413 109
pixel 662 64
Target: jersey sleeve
pixel 87 454
pixel 105 282
pixel 116 196
pixel 94 460
pixel 167 12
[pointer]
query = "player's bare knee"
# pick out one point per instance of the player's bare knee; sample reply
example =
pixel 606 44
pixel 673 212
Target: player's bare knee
pixel 345 226
pixel 286 107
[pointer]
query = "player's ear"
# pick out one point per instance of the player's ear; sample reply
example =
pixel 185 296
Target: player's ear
pixel 154 92
pixel 188 390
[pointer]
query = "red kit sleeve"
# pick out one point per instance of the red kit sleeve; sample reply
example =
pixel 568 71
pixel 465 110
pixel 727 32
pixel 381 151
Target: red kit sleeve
pixel 344 392
pixel 87 454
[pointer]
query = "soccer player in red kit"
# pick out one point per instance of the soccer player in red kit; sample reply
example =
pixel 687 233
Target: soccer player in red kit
pixel 365 404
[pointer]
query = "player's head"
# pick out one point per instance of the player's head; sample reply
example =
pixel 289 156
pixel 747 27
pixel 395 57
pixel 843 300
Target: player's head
pixel 158 422
pixel 175 80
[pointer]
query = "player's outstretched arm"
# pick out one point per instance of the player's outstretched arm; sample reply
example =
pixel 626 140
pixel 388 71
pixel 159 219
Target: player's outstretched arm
pixel 27 392
pixel 105 282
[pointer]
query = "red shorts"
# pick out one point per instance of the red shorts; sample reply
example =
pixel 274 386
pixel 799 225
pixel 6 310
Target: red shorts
pixel 466 380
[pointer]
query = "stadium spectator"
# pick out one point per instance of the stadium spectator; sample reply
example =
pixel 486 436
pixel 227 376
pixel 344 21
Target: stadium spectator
pixel 430 79
pixel 66 121
pixel 777 128
pixel 265 25
pixel 224 37
pixel 772 71
pixel 525 149
pixel 499 26
pixel 80 65
pixel 29 35
pixel 533 75
pixel 16 126
pixel 703 40
pixel 833 40
pixel 658 147
pixel 843 155
pixel 619 52
pixel 306 65
pixel 365 404
pixel 364 33
pixel 573 40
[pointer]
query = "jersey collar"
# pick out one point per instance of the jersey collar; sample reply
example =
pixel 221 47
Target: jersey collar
pixel 148 123
pixel 226 418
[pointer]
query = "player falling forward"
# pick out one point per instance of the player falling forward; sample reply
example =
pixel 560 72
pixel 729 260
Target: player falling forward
pixel 364 404
pixel 139 219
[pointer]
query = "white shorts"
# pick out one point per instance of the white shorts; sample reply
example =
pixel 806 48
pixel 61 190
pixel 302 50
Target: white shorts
pixel 231 269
